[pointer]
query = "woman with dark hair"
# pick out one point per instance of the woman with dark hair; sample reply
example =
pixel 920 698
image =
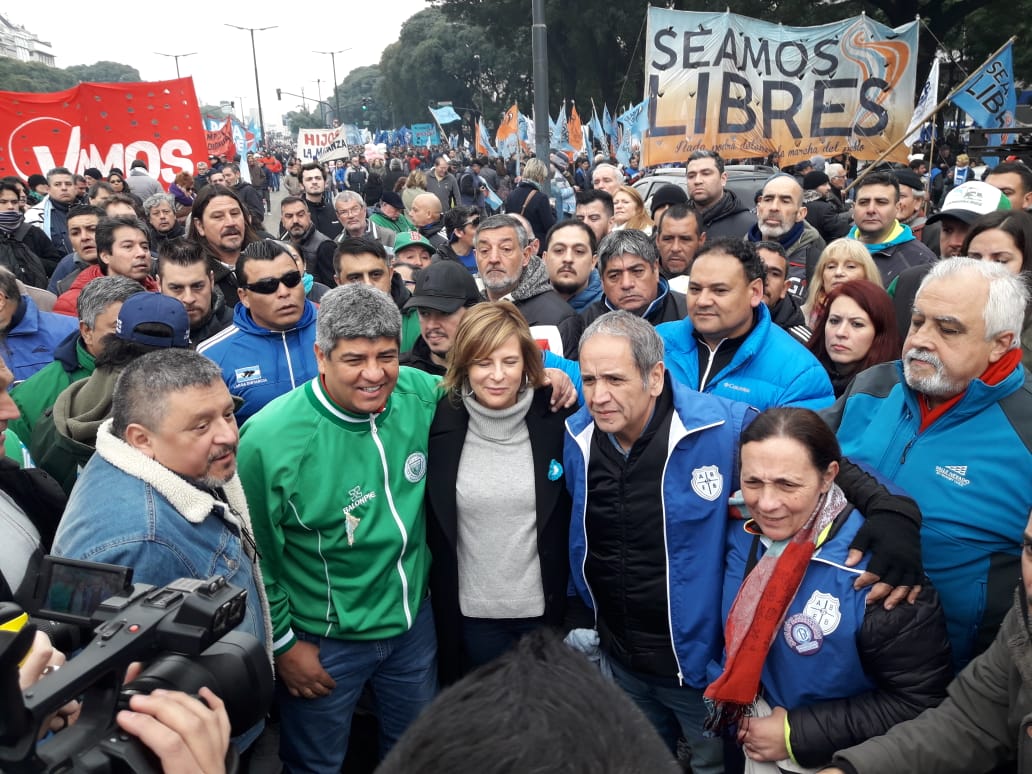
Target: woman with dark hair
pixel 809 666
pixel 855 330
pixel 498 512
pixel 117 181
pixel 1005 236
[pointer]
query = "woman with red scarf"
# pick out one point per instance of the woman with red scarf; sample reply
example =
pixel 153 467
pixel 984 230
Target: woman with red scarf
pixel 809 666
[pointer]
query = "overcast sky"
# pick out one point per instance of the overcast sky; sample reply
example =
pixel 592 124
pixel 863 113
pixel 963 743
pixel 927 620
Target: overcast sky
pixel 222 68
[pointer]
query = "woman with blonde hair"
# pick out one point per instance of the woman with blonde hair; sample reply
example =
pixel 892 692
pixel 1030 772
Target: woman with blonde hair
pixel 498 513
pixel 528 200
pixel 629 210
pixel 842 260
pixel 414 186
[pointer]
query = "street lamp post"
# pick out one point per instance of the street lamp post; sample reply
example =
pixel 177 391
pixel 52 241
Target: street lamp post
pixel 333 63
pixel 257 85
pixel 177 57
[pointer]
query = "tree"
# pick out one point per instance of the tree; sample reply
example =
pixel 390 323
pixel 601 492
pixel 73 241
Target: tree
pixel 362 83
pixel 32 77
pixel 435 59
pixel 104 72
pixel 301 119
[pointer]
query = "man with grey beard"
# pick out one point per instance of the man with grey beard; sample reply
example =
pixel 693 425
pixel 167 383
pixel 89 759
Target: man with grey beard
pixel 951 425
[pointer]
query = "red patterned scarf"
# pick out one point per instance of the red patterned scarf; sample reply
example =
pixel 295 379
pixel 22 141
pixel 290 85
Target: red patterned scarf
pixel 758 612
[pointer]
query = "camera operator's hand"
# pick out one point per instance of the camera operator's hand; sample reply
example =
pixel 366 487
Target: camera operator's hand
pixel 302 672
pixel 186 734
pixel 42 659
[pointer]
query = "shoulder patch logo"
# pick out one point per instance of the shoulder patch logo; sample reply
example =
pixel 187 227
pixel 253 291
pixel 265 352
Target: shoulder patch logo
pixel 824 610
pixel 248 375
pixel 415 467
pixel 707 482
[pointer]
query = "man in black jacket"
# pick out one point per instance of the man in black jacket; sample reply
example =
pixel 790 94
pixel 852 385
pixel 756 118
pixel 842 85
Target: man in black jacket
pixel 248 193
pixel 183 273
pixel 628 263
pixel 723 213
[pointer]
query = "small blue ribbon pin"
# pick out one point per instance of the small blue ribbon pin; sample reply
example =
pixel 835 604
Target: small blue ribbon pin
pixel 555 471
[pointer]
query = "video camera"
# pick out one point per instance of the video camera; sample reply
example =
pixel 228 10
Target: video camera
pixel 184 633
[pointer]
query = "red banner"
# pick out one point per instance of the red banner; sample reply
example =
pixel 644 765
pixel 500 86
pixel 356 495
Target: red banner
pixel 220 141
pixel 103 125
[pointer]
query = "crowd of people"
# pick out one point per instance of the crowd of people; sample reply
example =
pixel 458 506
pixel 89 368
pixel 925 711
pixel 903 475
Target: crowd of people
pixel 763 464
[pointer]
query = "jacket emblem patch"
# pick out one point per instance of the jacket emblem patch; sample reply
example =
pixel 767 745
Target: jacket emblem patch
pixel 415 467
pixel 248 375
pixel 824 610
pixel 555 470
pixel 707 482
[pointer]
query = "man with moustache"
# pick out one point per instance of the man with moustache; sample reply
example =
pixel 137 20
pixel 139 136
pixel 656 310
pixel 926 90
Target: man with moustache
pixel 628 263
pixel 218 223
pixel 781 218
pixel 161 493
pixel 950 425
pixel 679 236
pixel 315 247
pixel 571 257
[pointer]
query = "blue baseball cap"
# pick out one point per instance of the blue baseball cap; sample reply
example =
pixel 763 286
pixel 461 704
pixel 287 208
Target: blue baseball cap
pixel 156 309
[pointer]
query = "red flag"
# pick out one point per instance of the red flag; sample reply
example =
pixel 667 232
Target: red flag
pixel 103 125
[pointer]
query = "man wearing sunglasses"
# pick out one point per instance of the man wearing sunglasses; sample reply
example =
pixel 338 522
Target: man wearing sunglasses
pixel 267 351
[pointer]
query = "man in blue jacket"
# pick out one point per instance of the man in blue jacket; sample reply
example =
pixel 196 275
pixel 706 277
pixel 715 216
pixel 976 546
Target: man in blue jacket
pixel 951 423
pixel 268 350
pixel 728 345
pixel 650 465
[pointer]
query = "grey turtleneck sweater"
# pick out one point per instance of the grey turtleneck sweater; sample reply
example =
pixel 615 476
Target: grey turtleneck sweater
pixel 499 570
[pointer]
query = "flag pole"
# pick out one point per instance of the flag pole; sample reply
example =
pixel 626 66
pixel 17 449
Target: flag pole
pixel 885 154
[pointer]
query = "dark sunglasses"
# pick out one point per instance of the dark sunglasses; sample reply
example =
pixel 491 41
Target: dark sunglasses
pixel 474 222
pixel 270 285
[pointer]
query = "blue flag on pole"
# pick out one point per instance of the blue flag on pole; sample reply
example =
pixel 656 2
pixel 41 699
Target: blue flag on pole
pixel 988 95
pixel 445 115
pixel 609 128
pixel 595 127
pixel 633 124
pixel 559 133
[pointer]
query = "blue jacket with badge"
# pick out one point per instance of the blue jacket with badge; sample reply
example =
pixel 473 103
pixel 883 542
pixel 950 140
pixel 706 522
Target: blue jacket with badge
pixel 769 369
pixel 699 474
pixel 969 471
pixel 846 671
pixel 259 364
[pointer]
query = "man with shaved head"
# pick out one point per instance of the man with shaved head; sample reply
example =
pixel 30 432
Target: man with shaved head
pixel 781 218
pixel 426 215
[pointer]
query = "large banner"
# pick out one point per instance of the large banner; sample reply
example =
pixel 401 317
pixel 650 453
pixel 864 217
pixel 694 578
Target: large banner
pixel 747 88
pixel 103 125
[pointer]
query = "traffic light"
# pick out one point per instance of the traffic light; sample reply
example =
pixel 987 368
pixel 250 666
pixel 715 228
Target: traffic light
pixel 278 95
pixel 365 103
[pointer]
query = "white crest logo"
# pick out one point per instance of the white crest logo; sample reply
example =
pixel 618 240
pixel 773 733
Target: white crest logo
pixel 707 482
pixel 415 467
pixel 824 610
